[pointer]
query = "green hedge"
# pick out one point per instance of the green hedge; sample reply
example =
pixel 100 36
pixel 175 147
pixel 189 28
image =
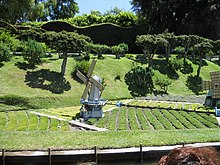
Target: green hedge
pixel 108 34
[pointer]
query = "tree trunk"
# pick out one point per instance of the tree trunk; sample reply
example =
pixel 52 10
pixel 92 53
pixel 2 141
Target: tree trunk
pixel 63 66
pixel 200 66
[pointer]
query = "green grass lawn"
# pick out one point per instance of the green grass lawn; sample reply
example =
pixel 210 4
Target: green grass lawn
pixel 42 140
pixel 46 92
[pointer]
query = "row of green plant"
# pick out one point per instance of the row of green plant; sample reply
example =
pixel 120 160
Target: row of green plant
pixel 169 105
pixel 27 121
pixel 151 119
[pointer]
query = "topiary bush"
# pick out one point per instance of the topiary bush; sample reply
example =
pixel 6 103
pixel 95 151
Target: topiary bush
pixel 33 52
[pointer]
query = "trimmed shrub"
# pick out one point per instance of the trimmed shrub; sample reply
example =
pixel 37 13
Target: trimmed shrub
pixel 33 52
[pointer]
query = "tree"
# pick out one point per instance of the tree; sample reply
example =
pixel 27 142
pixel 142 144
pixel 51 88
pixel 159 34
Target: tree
pixel 139 81
pixel 188 42
pixel 13 11
pixel 117 50
pixel 33 52
pixel 61 9
pixel 65 42
pixel 100 49
pixel 150 44
pixel 8 44
pixel 171 38
pixel 200 17
pixel 202 48
pixel 126 19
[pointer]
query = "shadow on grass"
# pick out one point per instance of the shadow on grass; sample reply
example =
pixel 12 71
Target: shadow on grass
pixel 47 80
pixel 163 67
pixel 194 83
pixel 24 66
pixel 187 68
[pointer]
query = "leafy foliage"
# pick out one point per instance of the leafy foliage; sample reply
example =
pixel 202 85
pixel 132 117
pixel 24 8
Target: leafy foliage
pixel 33 52
pixel 139 81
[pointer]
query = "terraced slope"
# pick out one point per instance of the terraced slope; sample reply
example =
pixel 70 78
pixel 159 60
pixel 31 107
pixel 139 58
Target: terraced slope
pixel 27 121
pixel 125 118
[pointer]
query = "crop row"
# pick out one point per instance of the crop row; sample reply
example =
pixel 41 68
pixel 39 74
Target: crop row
pixel 167 105
pixel 155 119
pixel 25 121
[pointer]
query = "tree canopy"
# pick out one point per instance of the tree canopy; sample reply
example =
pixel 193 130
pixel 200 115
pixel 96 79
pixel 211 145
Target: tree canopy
pixel 200 17
pixel 14 11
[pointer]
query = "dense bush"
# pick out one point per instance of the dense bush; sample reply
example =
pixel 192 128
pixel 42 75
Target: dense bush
pixel 82 66
pixel 5 54
pixel 163 82
pixel 33 52
pixel 123 19
pixel 107 34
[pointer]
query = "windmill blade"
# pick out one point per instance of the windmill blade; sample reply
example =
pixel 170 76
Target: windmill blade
pixel 91 68
pixel 96 83
pixel 85 92
pixel 81 76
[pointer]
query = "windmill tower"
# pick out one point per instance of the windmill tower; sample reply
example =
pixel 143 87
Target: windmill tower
pixel 91 99
pixel 213 95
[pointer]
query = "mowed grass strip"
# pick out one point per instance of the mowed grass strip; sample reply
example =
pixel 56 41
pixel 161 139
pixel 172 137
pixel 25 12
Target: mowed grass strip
pixel 22 120
pixel 12 121
pixel 122 124
pixel 143 121
pixel 33 122
pixel 41 140
pixel 3 120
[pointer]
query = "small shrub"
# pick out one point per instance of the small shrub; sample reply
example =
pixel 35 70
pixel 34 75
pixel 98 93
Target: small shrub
pixel 82 66
pixel 176 63
pixel 33 52
pixel 129 56
pixel 5 54
pixel 163 82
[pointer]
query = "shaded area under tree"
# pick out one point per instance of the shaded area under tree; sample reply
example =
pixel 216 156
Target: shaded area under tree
pixel 47 80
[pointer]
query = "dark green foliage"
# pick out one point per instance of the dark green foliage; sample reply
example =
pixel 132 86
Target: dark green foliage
pixel 8 43
pixel 107 34
pixel 33 52
pixel 82 66
pixel 5 53
pixel 117 50
pixel 194 83
pixel 139 81
pixel 181 17
pixel 100 49
pixel 150 44
pixel 163 82
pixel 16 101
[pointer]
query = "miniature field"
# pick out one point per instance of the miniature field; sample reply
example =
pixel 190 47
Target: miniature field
pixel 34 111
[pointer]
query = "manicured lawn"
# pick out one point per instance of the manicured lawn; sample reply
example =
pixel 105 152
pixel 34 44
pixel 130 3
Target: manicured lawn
pixel 41 140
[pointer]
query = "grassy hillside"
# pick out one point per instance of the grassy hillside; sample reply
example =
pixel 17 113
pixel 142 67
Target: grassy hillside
pixel 45 88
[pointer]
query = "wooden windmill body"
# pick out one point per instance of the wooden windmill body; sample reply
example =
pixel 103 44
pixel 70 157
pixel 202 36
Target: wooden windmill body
pixel 91 99
pixel 213 95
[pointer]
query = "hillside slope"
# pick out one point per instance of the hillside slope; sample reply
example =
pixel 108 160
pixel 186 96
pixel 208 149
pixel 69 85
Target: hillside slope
pixel 45 88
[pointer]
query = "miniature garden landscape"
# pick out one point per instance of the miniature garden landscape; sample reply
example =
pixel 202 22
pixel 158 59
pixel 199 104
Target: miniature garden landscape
pixel 153 84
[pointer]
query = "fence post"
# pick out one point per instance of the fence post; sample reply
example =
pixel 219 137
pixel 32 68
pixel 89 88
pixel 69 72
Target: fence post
pixel 96 155
pixel 49 156
pixel 141 153
pixel 3 156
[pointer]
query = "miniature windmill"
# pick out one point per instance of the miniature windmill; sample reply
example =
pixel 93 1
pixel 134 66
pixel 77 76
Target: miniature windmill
pixel 91 99
pixel 213 96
